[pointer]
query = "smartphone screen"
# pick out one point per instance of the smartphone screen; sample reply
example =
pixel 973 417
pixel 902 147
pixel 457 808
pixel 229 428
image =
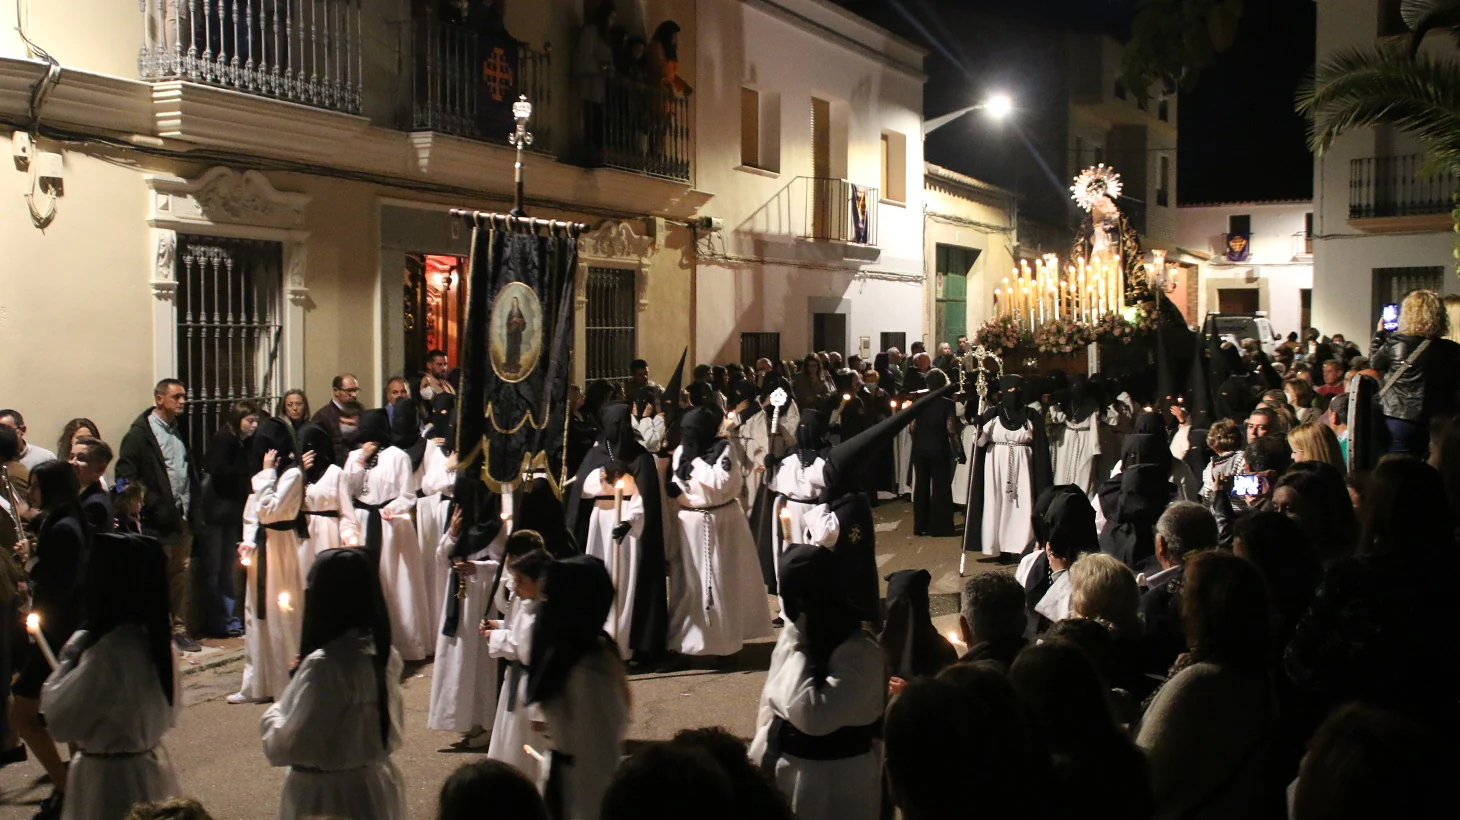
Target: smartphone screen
pixel 1391 317
pixel 1246 486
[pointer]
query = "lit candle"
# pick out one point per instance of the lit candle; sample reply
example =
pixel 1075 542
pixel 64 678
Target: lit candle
pixel 785 517
pixel 246 559
pixel 352 541
pixel 534 753
pixel 33 625
pixel 618 502
pixel 284 602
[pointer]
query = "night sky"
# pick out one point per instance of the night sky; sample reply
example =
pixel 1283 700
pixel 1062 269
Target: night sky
pixel 1239 136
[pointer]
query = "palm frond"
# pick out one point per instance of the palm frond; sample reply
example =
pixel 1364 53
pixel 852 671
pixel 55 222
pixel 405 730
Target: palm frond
pixel 1383 85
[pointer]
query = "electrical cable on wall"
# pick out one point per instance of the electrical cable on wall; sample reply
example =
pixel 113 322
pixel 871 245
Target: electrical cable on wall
pixel 44 216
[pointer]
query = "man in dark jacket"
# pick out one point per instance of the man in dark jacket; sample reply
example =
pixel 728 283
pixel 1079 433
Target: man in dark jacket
pixel 346 389
pixel 155 454
pixel 90 457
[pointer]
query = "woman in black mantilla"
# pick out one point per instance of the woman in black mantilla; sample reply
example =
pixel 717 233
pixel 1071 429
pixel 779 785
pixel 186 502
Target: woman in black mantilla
pixel 631 544
pixel 1010 468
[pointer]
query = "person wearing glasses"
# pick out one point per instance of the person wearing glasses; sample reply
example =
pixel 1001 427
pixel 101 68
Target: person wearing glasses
pixel 346 389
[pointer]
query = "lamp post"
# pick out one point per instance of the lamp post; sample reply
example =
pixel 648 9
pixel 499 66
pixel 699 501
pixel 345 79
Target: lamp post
pixel 520 138
pixel 998 107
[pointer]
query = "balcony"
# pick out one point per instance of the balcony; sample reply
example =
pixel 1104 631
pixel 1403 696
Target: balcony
pixel 463 84
pixel 1392 194
pixel 639 128
pixel 301 51
pixel 836 210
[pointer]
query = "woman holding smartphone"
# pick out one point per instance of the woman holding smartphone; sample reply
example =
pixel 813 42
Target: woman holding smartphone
pixel 1419 371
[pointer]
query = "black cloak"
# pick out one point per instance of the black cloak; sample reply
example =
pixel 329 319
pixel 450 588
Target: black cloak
pixel 911 643
pixel 1064 520
pixel 405 431
pixel 618 451
pixel 1012 413
pixel 1145 491
pixel 816 601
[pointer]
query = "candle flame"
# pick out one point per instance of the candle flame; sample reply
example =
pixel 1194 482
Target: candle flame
pixel 906 405
pixel 618 485
pixel 354 541
pixel 284 601
pixel 33 622
pixel 506 516
pixel 953 637
pixel 786 514
pixel 535 755
pixel 246 561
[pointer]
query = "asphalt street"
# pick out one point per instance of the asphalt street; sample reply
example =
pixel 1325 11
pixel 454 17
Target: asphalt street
pixel 215 746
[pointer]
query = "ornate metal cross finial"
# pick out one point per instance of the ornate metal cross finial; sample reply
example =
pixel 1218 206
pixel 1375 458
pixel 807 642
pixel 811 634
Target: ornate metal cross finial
pixel 520 139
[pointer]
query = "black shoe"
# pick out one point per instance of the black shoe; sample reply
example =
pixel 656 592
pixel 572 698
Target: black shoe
pixel 16 754
pixel 50 808
pixel 184 643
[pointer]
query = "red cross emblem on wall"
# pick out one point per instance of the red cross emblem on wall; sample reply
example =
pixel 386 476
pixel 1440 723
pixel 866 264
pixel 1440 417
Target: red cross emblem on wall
pixel 497 73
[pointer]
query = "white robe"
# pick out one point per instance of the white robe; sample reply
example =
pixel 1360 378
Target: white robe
pixel 587 720
pixel 329 493
pixel 326 728
pixel 1073 448
pixel 716 592
pixel 854 694
pixel 431 504
pixel 110 702
pixel 963 470
pixel 270 643
pixel 621 558
pixel 1008 523
pixel 402 574
pixel 513 726
pixel 902 462
pixel 464 680
pixel 798 481
pixel 651 432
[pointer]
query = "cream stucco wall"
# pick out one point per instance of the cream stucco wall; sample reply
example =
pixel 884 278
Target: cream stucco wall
pixel 949 215
pixel 1277 267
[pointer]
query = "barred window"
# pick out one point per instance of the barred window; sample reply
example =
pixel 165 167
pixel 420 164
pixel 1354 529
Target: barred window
pixel 611 326
pixel 229 313
pixel 891 340
pixel 754 346
pixel 1391 285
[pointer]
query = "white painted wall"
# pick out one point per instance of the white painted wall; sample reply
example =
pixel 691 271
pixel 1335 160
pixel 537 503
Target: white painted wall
pixel 1344 259
pixel 797 50
pixel 1277 267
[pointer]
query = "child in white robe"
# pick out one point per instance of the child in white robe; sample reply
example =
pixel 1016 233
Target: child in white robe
pixel 464 680
pixel 271 549
pixel 116 691
pixel 383 487
pixel 577 684
pixel 338 722
pixel 823 697
pixel 328 508
pixel 717 594
pixel 798 479
pixel 510 641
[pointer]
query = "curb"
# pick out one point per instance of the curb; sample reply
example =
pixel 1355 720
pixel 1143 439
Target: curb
pixel 212 661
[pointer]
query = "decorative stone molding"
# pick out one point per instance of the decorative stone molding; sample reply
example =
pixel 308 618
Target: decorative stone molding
pixel 614 239
pixel 164 271
pixel 225 196
pixel 295 287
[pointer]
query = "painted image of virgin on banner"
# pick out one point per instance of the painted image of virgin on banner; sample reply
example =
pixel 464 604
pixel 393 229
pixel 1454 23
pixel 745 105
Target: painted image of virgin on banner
pixel 516 332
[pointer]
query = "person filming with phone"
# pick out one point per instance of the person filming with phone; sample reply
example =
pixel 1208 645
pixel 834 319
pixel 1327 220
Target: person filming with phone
pixel 1250 489
pixel 1419 371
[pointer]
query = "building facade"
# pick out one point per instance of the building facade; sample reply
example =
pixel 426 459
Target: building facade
pixel 1269 269
pixel 1382 227
pixel 255 196
pixel 970 237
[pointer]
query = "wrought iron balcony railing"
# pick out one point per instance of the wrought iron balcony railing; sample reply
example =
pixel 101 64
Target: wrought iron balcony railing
pixel 303 51
pixel 838 210
pixel 1396 186
pixel 638 128
pixel 464 83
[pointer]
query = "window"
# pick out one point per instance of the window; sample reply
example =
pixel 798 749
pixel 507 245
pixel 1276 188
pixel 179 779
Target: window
pixel 1391 285
pixel 1163 182
pixel 1239 300
pixel 760 129
pixel 229 323
pixel 891 340
pixel 611 327
pixel 894 166
pixel 1308 232
pixel 1240 224
pixel 1079 153
pixel 954 263
pixel 755 346
pixel 1163 110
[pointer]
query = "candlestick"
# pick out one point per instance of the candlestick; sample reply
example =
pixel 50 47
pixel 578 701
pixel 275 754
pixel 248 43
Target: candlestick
pixel 33 625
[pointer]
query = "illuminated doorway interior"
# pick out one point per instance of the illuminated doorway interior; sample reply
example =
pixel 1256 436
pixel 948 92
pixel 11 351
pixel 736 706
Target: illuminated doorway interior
pixel 435 307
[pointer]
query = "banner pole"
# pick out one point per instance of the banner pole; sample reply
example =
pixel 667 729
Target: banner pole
pixel 520 138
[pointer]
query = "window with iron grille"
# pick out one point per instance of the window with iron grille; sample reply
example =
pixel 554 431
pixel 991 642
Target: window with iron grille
pixel 229 323
pixel 754 346
pixel 1391 285
pixel 891 340
pixel 611 327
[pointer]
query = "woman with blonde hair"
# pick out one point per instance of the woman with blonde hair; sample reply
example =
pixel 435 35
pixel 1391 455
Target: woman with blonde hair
pixel 1103 589
pixel 1452 313
pixel 1314 441
pixel 1419 371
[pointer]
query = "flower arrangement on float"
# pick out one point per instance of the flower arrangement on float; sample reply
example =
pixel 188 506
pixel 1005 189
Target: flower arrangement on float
pixel 1000 333
pixel 1062 336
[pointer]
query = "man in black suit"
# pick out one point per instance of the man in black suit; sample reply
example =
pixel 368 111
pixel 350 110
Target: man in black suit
pixel 91 456
pixel 347 389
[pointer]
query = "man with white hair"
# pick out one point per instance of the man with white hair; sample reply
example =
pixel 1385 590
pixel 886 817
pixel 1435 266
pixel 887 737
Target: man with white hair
pixel 1183 529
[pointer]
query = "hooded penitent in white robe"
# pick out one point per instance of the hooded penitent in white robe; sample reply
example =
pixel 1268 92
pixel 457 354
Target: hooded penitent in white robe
pixel 798 488
pixel 622 557
pixel 853 694
pixel 431 504
pixel 587 721
pixel 1008 496
pixel 326 729
pixel 512 729
pixel 110 703
pixel 716 593
pixel 391 482
pixel 271 635
pixel 464 678
pixel 1074 447
pixel 329 494
pixel 961 471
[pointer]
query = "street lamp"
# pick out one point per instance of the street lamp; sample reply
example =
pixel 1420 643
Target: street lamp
pixel 998 107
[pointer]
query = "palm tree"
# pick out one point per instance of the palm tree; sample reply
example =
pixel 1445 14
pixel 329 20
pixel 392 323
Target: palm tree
pixel 1391 84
